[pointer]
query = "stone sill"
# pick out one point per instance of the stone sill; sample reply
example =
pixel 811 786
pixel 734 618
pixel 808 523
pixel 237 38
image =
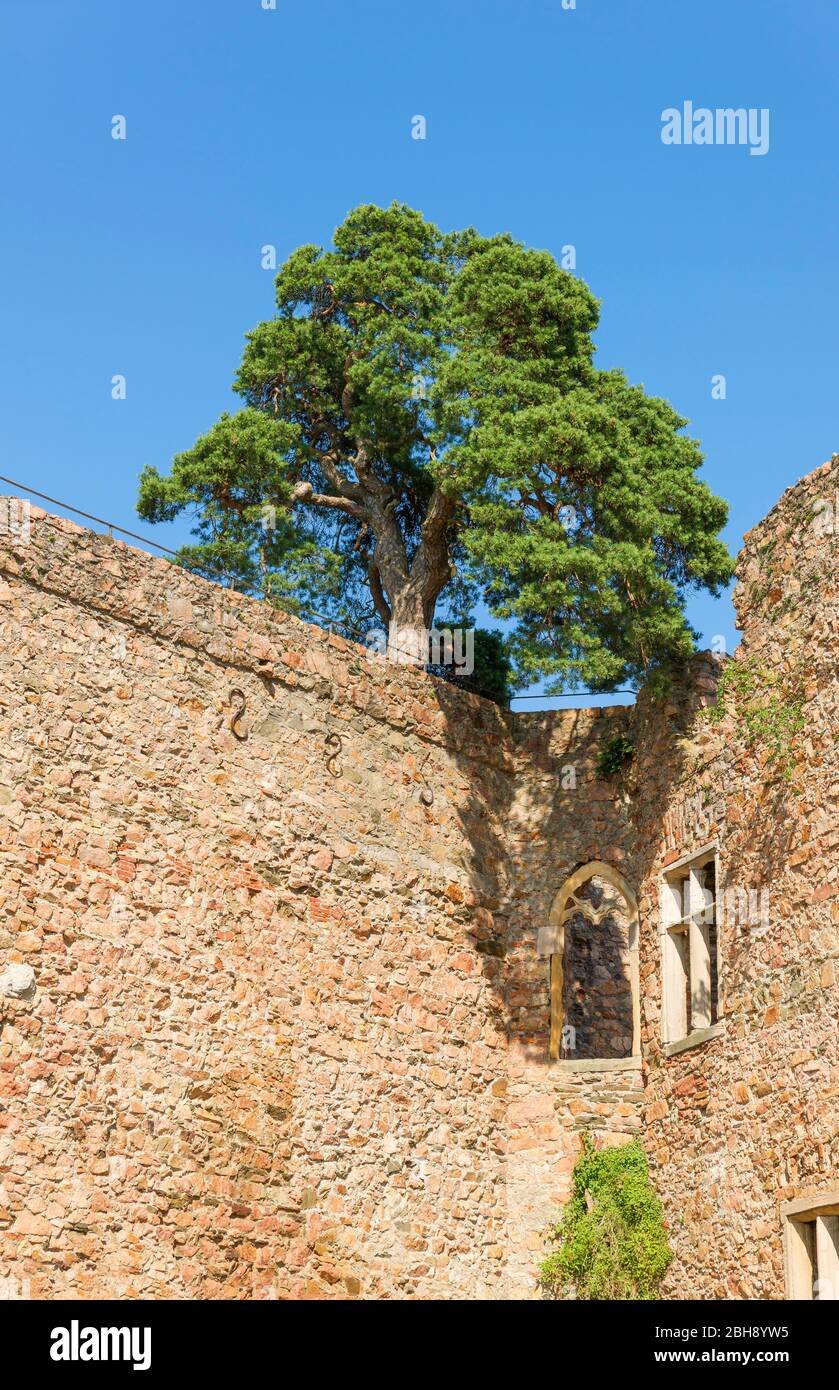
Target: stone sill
pixel 695 1039
pixel 588 1064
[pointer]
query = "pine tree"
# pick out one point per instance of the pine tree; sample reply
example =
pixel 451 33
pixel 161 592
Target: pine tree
pixel 423 424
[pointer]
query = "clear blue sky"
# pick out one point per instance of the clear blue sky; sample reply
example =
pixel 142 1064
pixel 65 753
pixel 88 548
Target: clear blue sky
pixel 247 126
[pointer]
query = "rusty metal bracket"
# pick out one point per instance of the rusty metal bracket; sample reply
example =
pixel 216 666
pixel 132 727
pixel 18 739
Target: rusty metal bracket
pixel 426 795
pixel 335 742
pixel 237 713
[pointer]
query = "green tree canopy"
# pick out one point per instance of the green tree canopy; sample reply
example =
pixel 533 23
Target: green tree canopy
pixel 423 425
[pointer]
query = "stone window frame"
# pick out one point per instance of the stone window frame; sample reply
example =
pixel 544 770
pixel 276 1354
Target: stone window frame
pixel 551 944
pixel 811 1248
pixel 679 948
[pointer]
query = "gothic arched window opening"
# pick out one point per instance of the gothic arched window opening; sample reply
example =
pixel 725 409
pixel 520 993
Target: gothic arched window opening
pixel 591 941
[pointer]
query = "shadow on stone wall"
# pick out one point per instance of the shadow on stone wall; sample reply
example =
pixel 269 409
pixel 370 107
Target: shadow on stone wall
pixel 535 811
pixel 597 1012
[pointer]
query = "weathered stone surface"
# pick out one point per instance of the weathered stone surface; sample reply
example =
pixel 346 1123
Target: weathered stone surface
pixel 17 981
pixel 290 1031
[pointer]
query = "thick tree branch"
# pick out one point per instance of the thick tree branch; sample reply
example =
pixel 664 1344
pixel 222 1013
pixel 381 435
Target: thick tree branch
pixel 377 593
pixel 304 492
pixel 441 508
pixel 431 566
pixel 328 462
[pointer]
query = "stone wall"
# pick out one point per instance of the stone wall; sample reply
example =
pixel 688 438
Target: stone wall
pixel 287 1028
pixel 750 1119
pixel 266 1029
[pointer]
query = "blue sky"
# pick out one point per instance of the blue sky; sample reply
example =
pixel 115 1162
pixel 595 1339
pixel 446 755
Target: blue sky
pixel 248 126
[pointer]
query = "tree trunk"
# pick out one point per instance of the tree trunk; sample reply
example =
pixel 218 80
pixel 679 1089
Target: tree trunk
pixel 404 594
pixel 414 598
pixel 412 616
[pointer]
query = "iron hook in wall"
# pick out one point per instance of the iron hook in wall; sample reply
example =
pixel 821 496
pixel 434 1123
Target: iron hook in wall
pixel 426 795
pixel 237 713
pixel 335 742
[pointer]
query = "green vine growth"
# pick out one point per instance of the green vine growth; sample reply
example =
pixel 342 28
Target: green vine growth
pixel 769 711
pixel 612 1243
pixel 613 756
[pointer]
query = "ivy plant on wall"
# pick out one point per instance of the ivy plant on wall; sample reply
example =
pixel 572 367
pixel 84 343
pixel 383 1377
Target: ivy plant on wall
pixel 768 708
pixel 611 1241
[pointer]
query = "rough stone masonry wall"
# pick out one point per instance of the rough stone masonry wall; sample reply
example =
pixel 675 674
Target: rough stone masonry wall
pixel 267 1048
pixel 562 816
pixel 288 1031
pixel 750 1119
pixel 262 1053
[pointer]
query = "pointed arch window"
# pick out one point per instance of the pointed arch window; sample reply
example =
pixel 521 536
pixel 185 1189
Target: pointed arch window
pixel 591 942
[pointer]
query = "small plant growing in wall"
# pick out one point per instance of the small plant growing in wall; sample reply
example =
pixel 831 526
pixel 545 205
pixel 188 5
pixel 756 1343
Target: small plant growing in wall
pixel 610 1242
pixel 768 710
pixel 613 756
